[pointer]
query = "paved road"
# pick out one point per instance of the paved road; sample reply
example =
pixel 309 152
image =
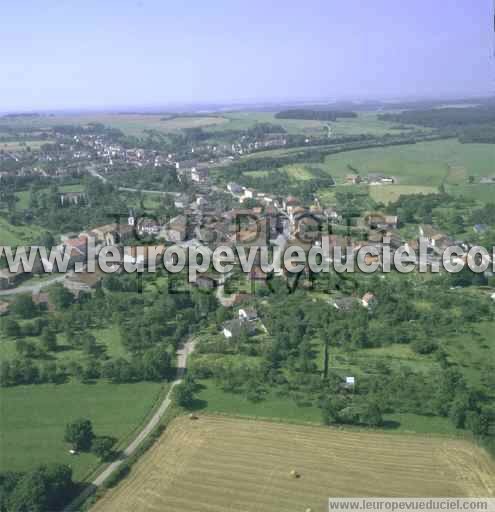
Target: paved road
pixel 182 355
pixel 32 288
pixel 96 174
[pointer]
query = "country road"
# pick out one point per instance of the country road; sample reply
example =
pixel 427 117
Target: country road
pixel 96 174
pixel 32 288
pixel 182 355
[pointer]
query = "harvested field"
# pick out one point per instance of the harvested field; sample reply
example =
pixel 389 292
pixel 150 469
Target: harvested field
pixel 220 464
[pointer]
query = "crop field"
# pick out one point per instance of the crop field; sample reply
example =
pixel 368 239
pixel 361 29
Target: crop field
pixel 222 464
pixel 130 124
pixel 34 419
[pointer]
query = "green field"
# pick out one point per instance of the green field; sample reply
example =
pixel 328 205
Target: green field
pixel 484 193
pixel 298 172
pixel 34 419
pixel 365 123
pixel 22 144
pixel 130 124
pixel 390 193
pixel 11 235
pixel 23 195
pixel 107 338
pixel 422 164
pixel 214 400
pixel 418 169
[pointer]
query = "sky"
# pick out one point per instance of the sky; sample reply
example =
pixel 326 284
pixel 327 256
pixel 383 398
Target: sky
pixel 63 54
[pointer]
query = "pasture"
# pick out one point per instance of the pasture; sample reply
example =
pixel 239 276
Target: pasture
pixel 34 419
pixel 222 464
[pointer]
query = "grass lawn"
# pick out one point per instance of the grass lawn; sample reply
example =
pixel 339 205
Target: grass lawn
pixel 34 419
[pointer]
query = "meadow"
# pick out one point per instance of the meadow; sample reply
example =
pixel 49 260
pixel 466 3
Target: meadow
pixel 390 193
pixel 11 235
pixel 221 464
pixel 34 419
pixel 421 164
pixel 214 400
pixel 23 195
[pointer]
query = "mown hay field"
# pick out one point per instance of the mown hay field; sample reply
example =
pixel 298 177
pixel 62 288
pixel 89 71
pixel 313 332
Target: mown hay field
pixel 220 464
